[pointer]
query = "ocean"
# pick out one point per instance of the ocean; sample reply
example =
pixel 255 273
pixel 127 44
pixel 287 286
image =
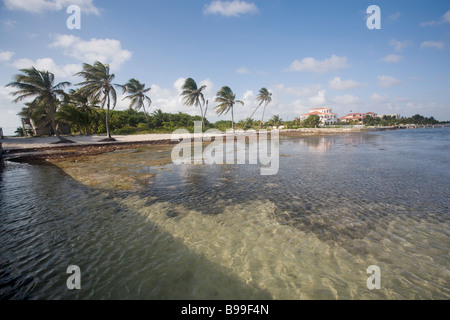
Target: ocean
pixel 141 227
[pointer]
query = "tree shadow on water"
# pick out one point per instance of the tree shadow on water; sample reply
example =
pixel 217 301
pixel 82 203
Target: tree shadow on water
pixel 121 254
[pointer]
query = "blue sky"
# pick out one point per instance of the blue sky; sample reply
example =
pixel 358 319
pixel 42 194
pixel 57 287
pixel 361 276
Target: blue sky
pixel 307 53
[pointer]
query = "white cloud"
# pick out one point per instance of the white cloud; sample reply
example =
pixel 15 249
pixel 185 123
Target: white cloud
pixel 64 40
pixel 248 95
pixel 318 100
pixel 249 104
pixel 6 55
pixel 9 120
pixel 234 8
pixel 319 66
pixel 395 16
pixel 433 44
pixel 169 99
pixel 38 6
pixel 47 64
pixel 9 23
pixel 392 58
pixel 178 84
pixel 104 50
pixel 388 81
pixel 445 19
pixel 346 99
pixel 399 45
pixel 242 70
pixel 307 91
pixel 301 106
pixel 209 93
pixel 308 97
pixel 429 23
pixel 337 84
pixel 379 98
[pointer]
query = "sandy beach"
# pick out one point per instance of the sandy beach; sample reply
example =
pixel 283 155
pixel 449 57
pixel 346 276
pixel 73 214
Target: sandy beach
pixel 18 143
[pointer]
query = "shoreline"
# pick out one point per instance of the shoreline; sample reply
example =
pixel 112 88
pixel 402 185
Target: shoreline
pixel 39 149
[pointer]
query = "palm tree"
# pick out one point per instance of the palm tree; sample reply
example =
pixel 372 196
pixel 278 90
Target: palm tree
pixel 80 111
pixel 137 94
pixel 193 96
pixel 276 121
pixel 227 100
pixel 265 97
pixel 19 132
pixel 159 117
pixel 98 86
pixel 40 85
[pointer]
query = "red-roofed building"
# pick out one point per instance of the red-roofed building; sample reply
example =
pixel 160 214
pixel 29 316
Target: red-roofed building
pixel 325 114
pixel 357 116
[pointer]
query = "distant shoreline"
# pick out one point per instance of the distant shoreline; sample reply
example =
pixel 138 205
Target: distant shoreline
pixel 38 149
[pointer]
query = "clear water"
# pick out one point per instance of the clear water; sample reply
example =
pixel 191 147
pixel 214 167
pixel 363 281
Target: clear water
pixel 338 205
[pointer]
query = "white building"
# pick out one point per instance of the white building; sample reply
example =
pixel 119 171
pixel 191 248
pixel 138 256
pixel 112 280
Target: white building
pixel 325 114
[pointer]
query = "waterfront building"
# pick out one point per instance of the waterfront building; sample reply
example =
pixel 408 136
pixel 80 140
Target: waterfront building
pixel 325 114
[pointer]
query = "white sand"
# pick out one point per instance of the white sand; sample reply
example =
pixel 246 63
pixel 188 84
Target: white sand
pixel 44 142
pixel 41 142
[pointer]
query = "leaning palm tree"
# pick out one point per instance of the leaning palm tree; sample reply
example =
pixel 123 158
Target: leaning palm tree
pixel 98 85
pixel 40 85
pixel 264 97
pixel 193 96
pixel 137 94
pixel 227 100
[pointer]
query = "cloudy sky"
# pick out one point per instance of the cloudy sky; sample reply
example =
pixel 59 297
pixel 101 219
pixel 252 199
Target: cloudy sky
pixel 307 53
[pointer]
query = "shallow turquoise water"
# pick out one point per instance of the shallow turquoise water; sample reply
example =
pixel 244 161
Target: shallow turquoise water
pixel 337 205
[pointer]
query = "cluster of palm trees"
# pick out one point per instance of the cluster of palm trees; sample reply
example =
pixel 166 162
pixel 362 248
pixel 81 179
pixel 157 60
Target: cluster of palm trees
pixel 98 91
pixel 193 96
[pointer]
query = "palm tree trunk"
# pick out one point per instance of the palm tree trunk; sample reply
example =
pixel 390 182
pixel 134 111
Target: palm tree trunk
pixel 203 117
pixel 206 109
pixel 146 117
pixel 53 121
pixel 232 119
pixel 262 116
pixel 251 116
pixel 108 133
